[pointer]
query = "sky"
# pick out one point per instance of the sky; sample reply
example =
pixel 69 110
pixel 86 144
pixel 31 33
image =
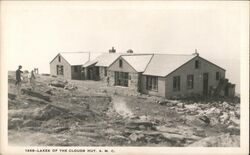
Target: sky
pixel 34 32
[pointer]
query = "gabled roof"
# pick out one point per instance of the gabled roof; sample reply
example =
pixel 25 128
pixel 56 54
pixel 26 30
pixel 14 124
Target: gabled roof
pixel 107 59
pixel 78 58
pixel 89 63
pixel 104 60
pixel 138 62
pixel 164 64
pixel 75 58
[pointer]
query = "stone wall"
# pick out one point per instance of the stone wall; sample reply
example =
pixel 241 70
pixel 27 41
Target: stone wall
pixel 132 83
pixel 102 73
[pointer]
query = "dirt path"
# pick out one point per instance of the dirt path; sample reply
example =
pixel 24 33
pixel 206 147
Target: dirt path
pixel 119 105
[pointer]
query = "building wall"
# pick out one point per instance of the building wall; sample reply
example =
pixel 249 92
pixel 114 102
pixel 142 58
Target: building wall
pixel 102 73
pixel 133 75
pixel 189 68
pixel 76 75
pixel 161 86
pixel 64 63
pixel 125 68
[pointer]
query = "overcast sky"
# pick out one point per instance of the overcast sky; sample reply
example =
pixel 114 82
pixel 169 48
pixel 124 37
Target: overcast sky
pixel 34 32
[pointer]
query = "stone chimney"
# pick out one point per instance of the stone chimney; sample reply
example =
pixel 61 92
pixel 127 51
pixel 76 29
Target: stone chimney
pixel 130 51
pixel 112 50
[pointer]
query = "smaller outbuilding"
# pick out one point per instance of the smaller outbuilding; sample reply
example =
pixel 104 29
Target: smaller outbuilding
pixel 69 64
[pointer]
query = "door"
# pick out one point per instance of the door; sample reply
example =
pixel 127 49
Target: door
pixel 97 73
pixel 205 84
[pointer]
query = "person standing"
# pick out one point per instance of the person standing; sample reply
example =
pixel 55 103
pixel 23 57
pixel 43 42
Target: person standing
pixel 107 80
pixel 18 78
pixel 32 79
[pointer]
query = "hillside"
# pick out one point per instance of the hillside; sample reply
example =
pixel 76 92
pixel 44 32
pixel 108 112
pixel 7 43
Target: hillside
pixel 88 113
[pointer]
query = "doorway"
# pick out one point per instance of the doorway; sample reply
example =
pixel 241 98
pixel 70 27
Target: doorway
pixel 205 84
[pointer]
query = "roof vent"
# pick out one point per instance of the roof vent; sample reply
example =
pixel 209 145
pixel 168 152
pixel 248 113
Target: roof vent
pixel 130 51
pixel 112 50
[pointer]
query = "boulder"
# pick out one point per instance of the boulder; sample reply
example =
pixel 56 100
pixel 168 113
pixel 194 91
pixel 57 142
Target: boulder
pixel 31 123
pixel 173 137
pixel 214 121
pixel 225 105
pixel 88 134
pixel 118 138
pixel 49 92
pixel 134 124
pixel 168 103
pixel 224 140
pixel 135 137
pixel 111 131
pixel 237 112
pixel 137 108
pixel 180 105
pixel 60 129
pixel 200 132
pixel 11 96
pixel 233 130
pixel 225 117
pixel 58 83
pixel 167 129
pixel 205 119
pixel 36 94
pixel 213 112
pixel 14 123
pixel 70 87
pixel 192 107
pixel 48 112
pixel 235 121
pixel 196 121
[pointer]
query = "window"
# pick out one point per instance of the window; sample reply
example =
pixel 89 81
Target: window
pixel 176 83
pixel 197 64
pixel 120 63
pixel 59 58
pixel 76 68
pixel 121 79
pixel 59 70
pixel 190 81
pixel 217 75
pixel 105 71
pixel 152 83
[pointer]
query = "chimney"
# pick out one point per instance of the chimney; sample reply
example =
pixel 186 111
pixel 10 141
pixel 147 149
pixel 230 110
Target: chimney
pixel 112 50
pixel 130 51
pixel 196 53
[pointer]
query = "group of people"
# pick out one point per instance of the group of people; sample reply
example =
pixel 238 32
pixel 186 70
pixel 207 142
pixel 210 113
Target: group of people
pixel 19 78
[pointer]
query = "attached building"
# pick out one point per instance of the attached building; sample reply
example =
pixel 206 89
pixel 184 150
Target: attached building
pixel 127 70
pixel 169 75
pixel 164 75
pixel 97 69
pixel 69 64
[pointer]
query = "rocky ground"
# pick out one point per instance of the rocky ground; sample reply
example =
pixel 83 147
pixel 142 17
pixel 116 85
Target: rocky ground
pixel 88 113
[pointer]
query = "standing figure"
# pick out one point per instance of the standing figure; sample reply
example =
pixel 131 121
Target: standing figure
pixel 107 80
pixel 32 79
pixel 18 78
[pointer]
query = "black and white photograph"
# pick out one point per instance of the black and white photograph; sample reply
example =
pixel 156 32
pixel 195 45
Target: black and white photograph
pixel 121 77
